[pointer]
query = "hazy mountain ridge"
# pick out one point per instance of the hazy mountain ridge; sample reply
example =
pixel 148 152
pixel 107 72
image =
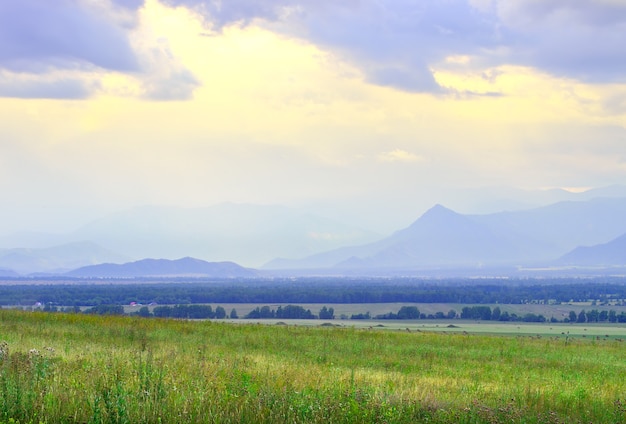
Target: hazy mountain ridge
pixel 464 200
pixel 565 225
pixel 247 234
pixel 184 267
pixel 57 258
pixel 612 253
pixel 4 272
pixel 442 237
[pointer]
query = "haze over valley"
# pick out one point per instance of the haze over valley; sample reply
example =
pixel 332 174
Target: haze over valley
pixel 292 135
pixel 583 233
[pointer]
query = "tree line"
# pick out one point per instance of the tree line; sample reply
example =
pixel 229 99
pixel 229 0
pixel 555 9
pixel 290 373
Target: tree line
pixel 340 290
pixel 477 312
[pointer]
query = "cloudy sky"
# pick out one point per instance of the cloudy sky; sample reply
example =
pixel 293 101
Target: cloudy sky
pixel 109 104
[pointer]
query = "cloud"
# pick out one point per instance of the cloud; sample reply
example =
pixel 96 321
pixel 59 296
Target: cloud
pixel 60 49
pixel 174 84
pixel 393 42
pixel 399 155
pixel 36 36
pixel 129 4
pixel 165 77
pixel 222 13
pixel 399 43
pixel 54 49
pixel 580 39
pixel 27 87
pixel 615 104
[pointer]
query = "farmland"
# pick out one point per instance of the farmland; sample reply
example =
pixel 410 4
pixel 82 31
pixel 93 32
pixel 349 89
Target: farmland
pixel 85 368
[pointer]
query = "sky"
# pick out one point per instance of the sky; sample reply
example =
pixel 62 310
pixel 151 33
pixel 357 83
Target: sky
pixel 354 107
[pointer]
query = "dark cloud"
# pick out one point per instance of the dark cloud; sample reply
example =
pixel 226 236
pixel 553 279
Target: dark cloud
pixel 417 79
pixel 595 13
pixel 225 12
pixel 57 89
pixel 129 4
pixel 36 36
pixel 39 39
pixel 581 39
pixel 396 42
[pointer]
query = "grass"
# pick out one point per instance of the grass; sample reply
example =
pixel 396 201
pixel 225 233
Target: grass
pixel 75 368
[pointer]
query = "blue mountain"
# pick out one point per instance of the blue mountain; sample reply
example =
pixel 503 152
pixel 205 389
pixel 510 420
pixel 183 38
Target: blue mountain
pixel 184 267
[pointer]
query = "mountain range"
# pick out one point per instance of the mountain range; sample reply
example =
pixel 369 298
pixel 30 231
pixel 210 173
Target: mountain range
pixel 246 234
pixel 548 236
pixel 444 238
pixel 55 259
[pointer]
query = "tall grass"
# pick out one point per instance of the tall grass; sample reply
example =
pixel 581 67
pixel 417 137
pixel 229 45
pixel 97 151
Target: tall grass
pixel 75 368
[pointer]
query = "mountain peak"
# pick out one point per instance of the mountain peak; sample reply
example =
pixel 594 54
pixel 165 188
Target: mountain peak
pixel 439 214
pixel 435 220
pixel 439 209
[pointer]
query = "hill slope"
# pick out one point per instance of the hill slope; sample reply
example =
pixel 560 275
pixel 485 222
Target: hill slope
pixel 608 254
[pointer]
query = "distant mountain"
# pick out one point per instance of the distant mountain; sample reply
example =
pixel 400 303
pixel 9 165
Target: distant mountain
pixel 407 205
pixel 247 234
pixel 57 258
pixel 563 226
pixel 8 273
pixel 440 237
pixel 32 240
pixel 185 267
pixel 444 238
pixel 488 200
pixel 616 190
pixel 612 253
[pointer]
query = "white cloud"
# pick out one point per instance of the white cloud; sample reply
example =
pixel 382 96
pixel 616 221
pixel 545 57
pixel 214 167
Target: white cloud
pixel 166 78
pixel 399 155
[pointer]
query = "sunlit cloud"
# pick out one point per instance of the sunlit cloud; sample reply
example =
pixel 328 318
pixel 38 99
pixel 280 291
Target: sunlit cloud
pixel 399 155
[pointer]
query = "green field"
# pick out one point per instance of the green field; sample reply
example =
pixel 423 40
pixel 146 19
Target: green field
pixel 556 311
pixel 77 368
pixel 595 332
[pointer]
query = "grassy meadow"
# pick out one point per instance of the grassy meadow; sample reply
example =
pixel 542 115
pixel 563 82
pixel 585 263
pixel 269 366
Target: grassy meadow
pixel 71 368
